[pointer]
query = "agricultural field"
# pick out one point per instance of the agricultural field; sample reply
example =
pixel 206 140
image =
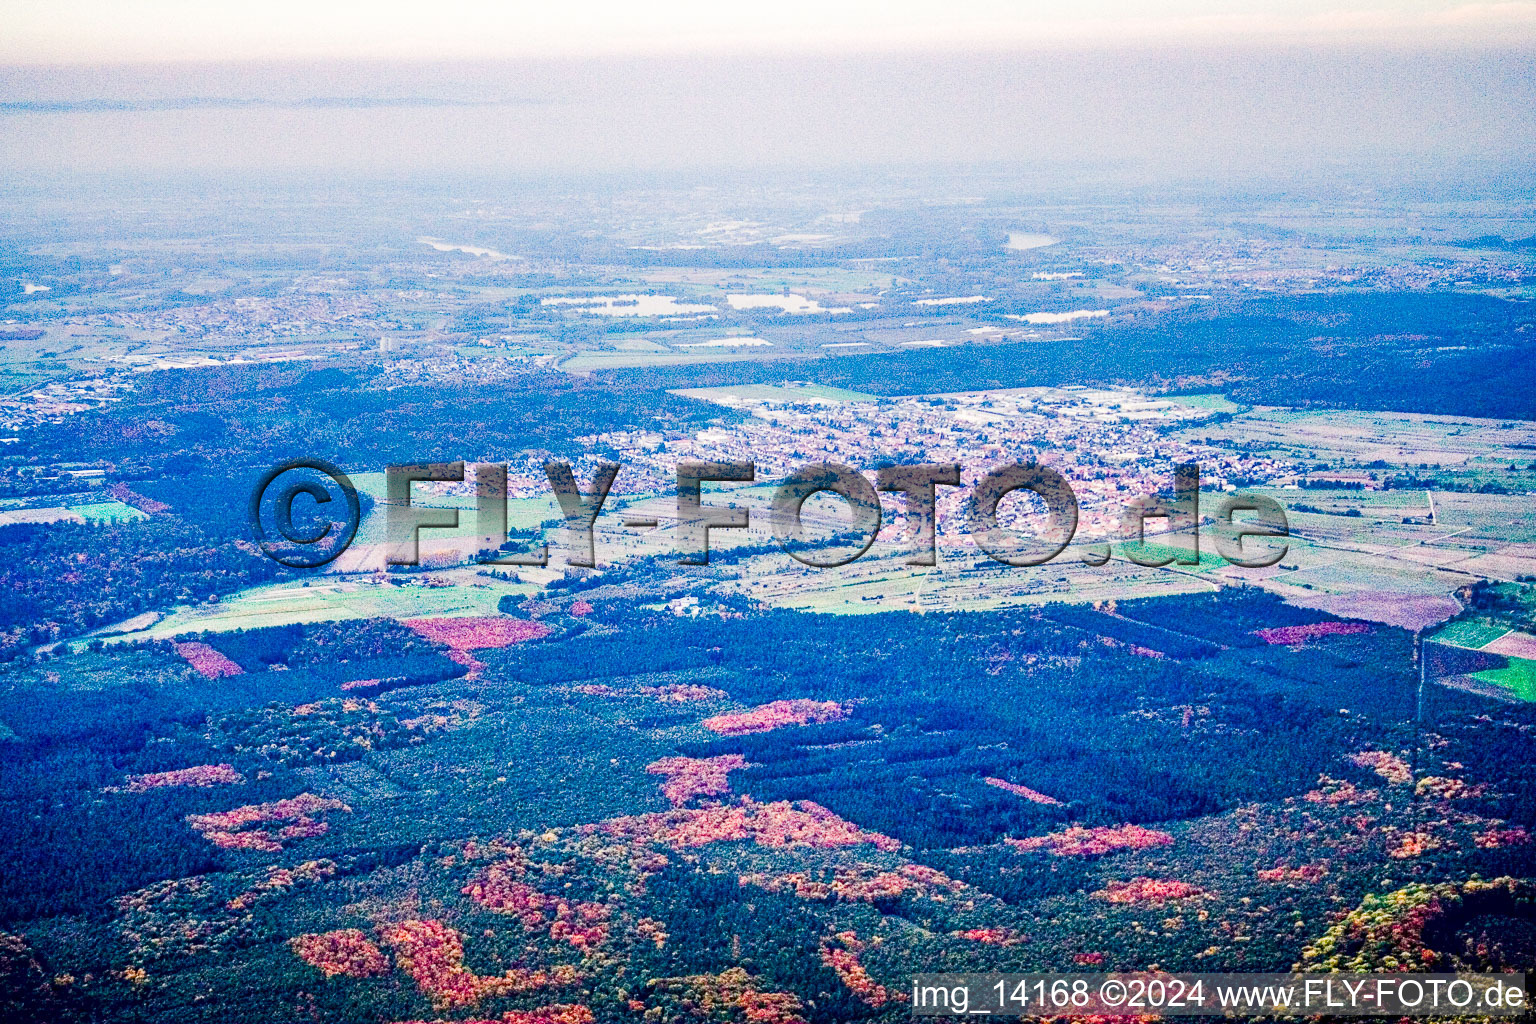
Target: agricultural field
pixel 1478 451
pixel 95 512
pixel 710 352
pixel 1497 624
pixel 750 394
pixel 450 592
pixel 107 512
pixel 1518 677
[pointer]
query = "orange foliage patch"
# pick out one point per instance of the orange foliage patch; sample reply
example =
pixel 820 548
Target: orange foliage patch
pixel 778 824
pixel 653 930
pixel 563 1013
pixel 476 633
pixel 683 693
pixel 433 955
pixel 863 885
pixel 570 1013
pixel 362 684
pixel 841 953
pixel 780 713
pixel 201 775
pixel 1023 791
pixel 206 661
pixel 278 879
pixel 730 995
pixel 1311 631
pixel 689 777
pixel 1449 789
pixel 1148 890
pixel 1305 873
pixel 1496 838
pixel 1078 841
pixel 1389 766
pixel 1333 791
pixel 991 936
pixel 227 829
pixel 347 952
pixel 583 925
pixel 1413 844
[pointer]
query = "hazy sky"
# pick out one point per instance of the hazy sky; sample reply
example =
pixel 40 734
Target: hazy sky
pixel 97 31
pixel 1207 87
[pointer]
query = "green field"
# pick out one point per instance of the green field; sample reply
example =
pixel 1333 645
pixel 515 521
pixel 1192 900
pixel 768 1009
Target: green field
pixel 284 603
pixel 1470 633
pixel 107 512
pixel 1518 677
pixel 1211 403
pixel 1152 552
pixel 883 582
pixel 94 512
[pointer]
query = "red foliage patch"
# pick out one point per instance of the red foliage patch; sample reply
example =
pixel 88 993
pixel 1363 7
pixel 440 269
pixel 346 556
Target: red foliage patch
pixel 778 714
pixel 227 828
pixel 362 684
pixel 778 824
pixel 1148 890
pixel 568 1013
pixel 1333 792
pixel 1306 873
pixel 1311 631
pixel 201 775
pixel 478 633
pixel 683 693
pixel 206 661
pixel 689 777
pixel 347 952
pixel 1388 765
pixel 1023 791
pixel 433 955
pixel 463 635
pixel 991 936
pixel 581 608
pixel 1093 842
pixel 863 884
pixel 497 888
pixel 841 953
pixel 1499 838
pixel 562 1013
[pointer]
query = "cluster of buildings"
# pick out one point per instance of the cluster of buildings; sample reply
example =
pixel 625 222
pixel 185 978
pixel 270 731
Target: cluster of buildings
pixel 1112 446
pixel 248 318
pixel 1254 265
pixel 51 402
